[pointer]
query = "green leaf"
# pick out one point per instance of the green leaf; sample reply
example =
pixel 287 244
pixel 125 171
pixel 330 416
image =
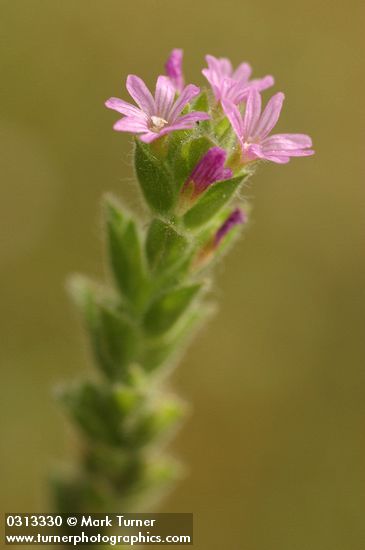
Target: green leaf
pixel 125 252
pixel 116 343
pixel 211 201
pixel 77 493
pixel 169 308
pixel 113 338
pixel 95 411
pixel 128 398
pixel 164 246
pixel 155 179
pixel 157 476
pixel 157 421
pixel 163 350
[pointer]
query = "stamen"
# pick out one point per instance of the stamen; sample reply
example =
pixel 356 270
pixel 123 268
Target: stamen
pixel 157 123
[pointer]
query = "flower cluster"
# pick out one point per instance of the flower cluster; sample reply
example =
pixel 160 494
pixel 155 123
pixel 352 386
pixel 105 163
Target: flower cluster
pixel 193 152
pixel 237 127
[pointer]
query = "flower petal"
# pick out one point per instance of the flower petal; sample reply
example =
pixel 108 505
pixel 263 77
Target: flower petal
pixel 252 113
pixel 123 107
pixel 277 149
pixel 214 81
pixel 278 156
pixel 213 63
pixel 225 67
pixel 229 90
pixel 211 76
pixel 209 169
pixel 195 116
pixel 164 96
pixel 130 124
pixel 269 117
pixel 174 70
pixel 185 122
pixel 236 217
pixel 242 73
pixel 279 159
pixel 287 141
pixel 141 94
pixel 148 137
pixel 289 145
pixel 235 118
pixel 186 95
pixel 262 83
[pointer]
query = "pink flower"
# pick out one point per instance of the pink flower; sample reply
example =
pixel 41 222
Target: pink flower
pixel 174 70
pixel 253 128
pixel 155 117
pixel 209 169
pixel 237 217
pixel 232 85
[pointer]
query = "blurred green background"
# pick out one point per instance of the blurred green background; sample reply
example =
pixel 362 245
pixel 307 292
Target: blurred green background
pixel 276 445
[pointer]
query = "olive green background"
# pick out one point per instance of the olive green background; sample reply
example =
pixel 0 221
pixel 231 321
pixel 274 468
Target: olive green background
pixel 276 443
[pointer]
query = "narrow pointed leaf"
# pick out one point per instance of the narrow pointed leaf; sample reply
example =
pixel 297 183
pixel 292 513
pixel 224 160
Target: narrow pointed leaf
pixel 95 411
pixel 211 201
pixel 169 308
pixel 125 251
pixel 155 179
pixel 158 421
pixel 113 338
pixel 158 352
pixel 165 247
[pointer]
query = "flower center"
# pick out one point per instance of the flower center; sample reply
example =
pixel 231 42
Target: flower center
pixel 157 123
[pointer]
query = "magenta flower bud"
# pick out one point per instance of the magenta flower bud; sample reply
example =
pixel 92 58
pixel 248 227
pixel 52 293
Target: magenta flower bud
pixel 235 218
pixel 174 70
pixel 209 169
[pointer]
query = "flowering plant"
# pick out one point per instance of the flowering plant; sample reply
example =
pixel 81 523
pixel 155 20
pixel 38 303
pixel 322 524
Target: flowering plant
pixel 193 151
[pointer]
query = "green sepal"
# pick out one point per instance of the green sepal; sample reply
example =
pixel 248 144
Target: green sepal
pixel 113 337
pixel 211 201
pixel 155 178
pixel 169 308
pixel 221 129
pixel 193 151
pixel 202 104
pixel 125 253
pixel 184 155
